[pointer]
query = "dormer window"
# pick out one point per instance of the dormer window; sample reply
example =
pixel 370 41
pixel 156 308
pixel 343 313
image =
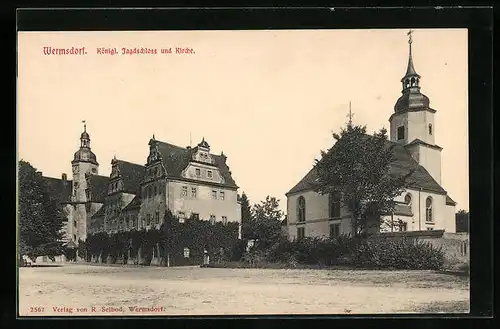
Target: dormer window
pixel 209 173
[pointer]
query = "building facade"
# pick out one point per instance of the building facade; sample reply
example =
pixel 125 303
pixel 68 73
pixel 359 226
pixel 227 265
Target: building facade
pixel 190 182
pixel 424 206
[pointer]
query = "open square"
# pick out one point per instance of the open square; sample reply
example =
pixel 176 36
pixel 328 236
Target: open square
pixel 128 290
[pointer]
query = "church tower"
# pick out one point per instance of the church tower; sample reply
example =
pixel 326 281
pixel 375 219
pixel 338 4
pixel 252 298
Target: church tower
pixel 84 164
pixel 412 123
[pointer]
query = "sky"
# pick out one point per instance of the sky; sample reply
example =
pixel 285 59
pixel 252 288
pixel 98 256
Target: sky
pixel 268 99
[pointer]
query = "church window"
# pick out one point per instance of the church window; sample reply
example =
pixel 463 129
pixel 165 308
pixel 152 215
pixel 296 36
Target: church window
pixel 412 82
pixel 198 172
pixel 401 132
pixel 430 129
pixel 193 192
pixel 428 209
pixel 301 209
pixel 334 205
pixel 301 232
pixel 408 199
pixel 184 191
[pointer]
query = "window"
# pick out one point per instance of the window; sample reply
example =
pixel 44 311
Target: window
pixel 212 219
pixel 334 230
pixel 182 217
pixel 209 173
pixel 428 209
pixel 150 191
pixel 193 192
pixel 224 220
pixel 334 205
pixel 74 237
pixel 301 209
pixel 463 248
pixel 74 223
pixel 196 216
pixel 430 129
pixel 300 232
pixel 222 195
pixel 186 252
pixel 184 191
pixel 156 191
pixel 214 195
pixel 198 172
pixel 157 217
pixel 408 199
pixel 148 221
pixel 401 132
pixel 430 228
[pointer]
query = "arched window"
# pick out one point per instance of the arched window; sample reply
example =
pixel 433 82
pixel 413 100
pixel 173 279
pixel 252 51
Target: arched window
pixel 408 199
pixel 301 209
pixel 428 209
pixel 430 129
pixel 412 82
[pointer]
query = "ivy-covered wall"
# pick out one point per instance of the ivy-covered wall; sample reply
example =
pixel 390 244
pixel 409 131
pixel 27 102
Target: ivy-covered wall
pixel 166 245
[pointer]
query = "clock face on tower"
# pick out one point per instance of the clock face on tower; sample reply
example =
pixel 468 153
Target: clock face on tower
pixel 75 170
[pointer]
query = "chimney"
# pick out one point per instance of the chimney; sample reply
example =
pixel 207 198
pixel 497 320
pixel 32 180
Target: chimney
pixel 188 147
pixel 64 177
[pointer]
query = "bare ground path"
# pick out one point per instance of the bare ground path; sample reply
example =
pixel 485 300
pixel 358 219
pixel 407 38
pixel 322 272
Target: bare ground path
pixel 213 291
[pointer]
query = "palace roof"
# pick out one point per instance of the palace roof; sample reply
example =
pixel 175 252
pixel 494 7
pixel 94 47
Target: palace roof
pixel 59 189
pixel 131 174
pixel 176 159
pixel 98 186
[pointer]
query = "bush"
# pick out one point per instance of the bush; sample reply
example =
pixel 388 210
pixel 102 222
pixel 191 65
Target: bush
pixel 377 252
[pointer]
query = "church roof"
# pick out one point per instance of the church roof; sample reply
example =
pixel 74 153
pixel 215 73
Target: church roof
pixel 59 189
pixel 449 201
pixel 176 159
pixel 131 174
pixel 98 186
pixel 402 164
pixel 419 141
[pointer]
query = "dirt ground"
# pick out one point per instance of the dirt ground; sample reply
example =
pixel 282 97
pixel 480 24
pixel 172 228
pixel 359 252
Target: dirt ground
pixel 80 289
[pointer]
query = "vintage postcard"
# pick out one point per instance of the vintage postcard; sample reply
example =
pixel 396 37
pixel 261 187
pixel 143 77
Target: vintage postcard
pixel 243 172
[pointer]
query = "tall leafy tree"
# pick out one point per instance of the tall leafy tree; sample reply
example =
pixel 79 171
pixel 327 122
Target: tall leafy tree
pixel 357 168
pixel 40 217
pixel 462 221
pixel 247 227
pixel 267 221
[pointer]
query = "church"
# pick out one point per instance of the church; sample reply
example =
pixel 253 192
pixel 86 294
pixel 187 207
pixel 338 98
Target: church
pixel 424 206
pixel 189 181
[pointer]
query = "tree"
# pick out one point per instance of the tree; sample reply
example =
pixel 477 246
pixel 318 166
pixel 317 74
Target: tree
pixel 40 217
pixel 357 168
pixel 267 222
pixel 247 229
pixel 462 221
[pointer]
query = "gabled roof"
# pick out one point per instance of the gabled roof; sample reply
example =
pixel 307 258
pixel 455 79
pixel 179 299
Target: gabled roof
pixel 134 204
pixel 131 174
pixel 98 186
pixel 421 142
pixel 59 189
pixel 100 212
pixel 176 159
pixel 403 163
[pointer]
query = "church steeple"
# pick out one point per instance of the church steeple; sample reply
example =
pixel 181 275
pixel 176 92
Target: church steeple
pixel 411 80
pixel 84 154
pixel 84 137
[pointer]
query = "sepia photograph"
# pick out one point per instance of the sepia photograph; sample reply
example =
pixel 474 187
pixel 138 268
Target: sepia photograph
pixel 243 172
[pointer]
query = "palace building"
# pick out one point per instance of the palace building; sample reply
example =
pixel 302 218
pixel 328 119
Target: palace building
pixel 191 182
pixel 424 206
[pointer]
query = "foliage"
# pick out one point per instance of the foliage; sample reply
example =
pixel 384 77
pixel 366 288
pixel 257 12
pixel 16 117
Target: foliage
pixel 247 223
pixel 40 217
pixel 357 167
pixel 462 221
pixel 267 222
pixel 379 252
